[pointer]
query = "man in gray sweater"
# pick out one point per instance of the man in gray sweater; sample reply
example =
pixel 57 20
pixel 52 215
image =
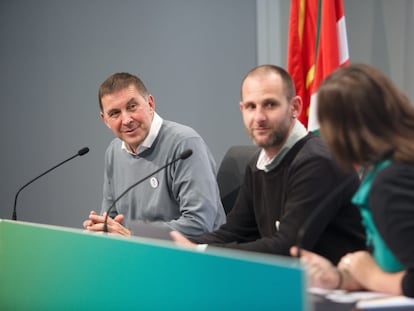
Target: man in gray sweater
pixel 184 196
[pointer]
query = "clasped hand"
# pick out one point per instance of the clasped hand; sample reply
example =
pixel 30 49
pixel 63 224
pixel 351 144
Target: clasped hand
pixel 95 223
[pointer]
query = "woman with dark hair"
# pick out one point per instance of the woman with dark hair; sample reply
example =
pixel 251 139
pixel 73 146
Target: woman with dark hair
pixel 367 121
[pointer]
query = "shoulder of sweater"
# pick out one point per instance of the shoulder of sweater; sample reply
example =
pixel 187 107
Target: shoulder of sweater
pixel 401 173
pixel 179 129
pixel 115 144
pixel 392 184
pixel 313 146
pixel 309 148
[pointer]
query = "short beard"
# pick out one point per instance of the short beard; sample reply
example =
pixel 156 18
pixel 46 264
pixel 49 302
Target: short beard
pixel 276 138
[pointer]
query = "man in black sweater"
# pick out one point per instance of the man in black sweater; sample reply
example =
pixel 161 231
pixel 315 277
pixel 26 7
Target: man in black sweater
pixel 286 180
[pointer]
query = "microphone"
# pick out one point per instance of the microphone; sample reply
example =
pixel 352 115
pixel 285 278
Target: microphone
pixel 81 152
pixel 333 195
pixel 184 155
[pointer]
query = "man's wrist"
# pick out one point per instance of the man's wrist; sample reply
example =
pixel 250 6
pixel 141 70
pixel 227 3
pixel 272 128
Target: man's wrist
pixel 340 278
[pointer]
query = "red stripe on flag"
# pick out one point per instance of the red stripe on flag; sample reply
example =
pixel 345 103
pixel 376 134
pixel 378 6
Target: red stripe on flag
pixel 315 54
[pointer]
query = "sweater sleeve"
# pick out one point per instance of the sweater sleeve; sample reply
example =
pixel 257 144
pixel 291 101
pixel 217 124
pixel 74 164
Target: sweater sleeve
pixel 241 226
pixel 194 186
pixel 392 202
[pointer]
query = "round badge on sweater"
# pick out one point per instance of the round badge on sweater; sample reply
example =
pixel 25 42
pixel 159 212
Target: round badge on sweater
pixel 154 182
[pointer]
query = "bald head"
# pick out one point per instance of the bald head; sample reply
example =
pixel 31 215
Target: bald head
pixel 268 70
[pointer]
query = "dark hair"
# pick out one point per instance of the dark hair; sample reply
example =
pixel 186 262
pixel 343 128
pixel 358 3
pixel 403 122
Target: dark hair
pixel 288 85
pixel 362 114
pixel 120 81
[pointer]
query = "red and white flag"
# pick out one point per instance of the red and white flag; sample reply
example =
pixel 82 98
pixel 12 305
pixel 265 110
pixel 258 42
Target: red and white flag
pixel 317 46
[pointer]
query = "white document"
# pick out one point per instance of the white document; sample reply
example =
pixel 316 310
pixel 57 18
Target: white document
pixel 364 299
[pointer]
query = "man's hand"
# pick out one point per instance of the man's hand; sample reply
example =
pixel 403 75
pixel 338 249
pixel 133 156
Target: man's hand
pixel 95 223
pixel 181 240
pixel 322 273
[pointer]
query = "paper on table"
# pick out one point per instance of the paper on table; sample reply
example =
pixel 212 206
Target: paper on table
pixel 364 299
pixel 342 296
pixel 391 301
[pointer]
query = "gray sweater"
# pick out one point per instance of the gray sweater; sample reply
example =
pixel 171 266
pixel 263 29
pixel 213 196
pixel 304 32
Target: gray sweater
pixel 183 197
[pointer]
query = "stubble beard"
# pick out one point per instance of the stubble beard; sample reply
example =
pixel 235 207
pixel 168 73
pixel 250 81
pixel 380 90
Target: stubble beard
pixel 275 139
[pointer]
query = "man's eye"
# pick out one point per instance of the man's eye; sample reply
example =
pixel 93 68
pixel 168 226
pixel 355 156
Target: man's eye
pixel 113 114
pixel 250 106
pixel 132 106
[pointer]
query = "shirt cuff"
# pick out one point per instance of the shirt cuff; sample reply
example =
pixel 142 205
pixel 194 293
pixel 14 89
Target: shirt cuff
pixel 201 247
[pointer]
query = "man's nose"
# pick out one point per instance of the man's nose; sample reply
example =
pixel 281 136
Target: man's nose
pixel 126 117
pixel 259 115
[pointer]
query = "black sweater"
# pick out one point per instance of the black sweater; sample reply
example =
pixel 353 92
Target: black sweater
pixel 392 204
pixel 288 194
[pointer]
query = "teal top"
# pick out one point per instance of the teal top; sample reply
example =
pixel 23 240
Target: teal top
pixel 381 253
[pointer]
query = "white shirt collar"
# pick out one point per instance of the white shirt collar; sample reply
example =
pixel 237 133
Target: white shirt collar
pixel 266 164
pixel 152 135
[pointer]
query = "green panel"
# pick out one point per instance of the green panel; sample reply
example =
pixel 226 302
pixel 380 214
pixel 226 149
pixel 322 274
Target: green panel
pixel 54 268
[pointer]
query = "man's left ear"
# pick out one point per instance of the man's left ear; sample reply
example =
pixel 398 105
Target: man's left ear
pixel 151 102
pixel 296 106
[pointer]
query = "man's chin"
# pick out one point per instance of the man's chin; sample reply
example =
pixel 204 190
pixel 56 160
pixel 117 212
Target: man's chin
pixel 260 143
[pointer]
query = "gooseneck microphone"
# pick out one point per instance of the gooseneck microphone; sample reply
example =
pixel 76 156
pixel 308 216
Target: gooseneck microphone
pixel 333 195
pixel 81 152
pixel 184 155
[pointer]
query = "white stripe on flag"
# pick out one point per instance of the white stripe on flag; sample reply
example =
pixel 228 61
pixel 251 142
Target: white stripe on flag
pixel 343 41
pixel 313 123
